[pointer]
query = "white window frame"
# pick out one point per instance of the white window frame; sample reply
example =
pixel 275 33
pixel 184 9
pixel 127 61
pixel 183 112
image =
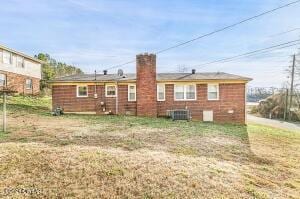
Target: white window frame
pixel 128 97
pixel 5 80
pixel 1 56
pixel 164 88
pixel 14 60
pixel 19 58
pixel 116 93
pixel 10 56
pixel 218 92
pixel 185 91
pixel 27 88
pixel 77 91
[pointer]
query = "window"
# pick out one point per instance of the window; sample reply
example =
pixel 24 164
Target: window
pixel 190 92
pixel 110 91
pixel 28 84
pixel 185 92
pixel 20 62
pixel 14 60
pixel 131 92
pixel 179 92
pixel 161 92
pixel 6 57
pixel 82 91
pixel 2 80
pixel 213 92
pixel 1 60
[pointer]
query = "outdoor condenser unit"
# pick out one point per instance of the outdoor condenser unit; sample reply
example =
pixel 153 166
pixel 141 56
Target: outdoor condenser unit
pixel 180 114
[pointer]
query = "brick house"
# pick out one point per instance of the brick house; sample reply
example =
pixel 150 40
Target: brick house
pixel 218 97
pixel 19 72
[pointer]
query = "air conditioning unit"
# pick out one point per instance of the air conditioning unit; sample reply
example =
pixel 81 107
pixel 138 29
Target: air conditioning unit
pixel 179 114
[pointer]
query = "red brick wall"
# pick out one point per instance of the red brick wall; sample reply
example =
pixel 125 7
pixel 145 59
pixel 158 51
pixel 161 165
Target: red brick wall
pixel 65 96
pixel 232 97
pixel 125 107
pixel 146 85
pixel 17 82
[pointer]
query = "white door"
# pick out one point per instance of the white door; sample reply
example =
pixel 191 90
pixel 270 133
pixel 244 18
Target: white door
pixel 208 116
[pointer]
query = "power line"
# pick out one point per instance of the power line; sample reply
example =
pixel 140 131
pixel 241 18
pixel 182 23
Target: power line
pixel 213 32
pixel 277 76
pixel 120 65
pixel 271 50
pixel 227 27
pixel 249 53
pixel 285 32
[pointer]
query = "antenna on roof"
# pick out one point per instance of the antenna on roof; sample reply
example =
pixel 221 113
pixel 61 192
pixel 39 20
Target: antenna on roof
pixel 95 75
pixel 120 72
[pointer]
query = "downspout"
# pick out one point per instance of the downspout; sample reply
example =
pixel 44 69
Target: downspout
pixel 95 91
pixel 104 94
pixel 117 97
pixel 245 107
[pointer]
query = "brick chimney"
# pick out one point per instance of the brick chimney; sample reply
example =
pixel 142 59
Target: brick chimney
pixel 146 85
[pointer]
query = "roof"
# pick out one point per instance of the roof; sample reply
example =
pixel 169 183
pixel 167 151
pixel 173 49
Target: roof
pixel 159 77
pixel 21 54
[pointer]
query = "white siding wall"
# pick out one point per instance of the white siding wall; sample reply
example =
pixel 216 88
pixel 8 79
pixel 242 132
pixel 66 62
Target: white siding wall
pixel 31 68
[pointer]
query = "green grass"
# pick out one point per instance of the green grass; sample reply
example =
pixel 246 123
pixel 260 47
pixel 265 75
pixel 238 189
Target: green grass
pixel 184 127
pixel 272 132
pixel 28 104
pixel 42 105
pixel 3 135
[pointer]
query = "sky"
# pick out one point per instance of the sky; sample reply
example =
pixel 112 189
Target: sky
pixel 98 34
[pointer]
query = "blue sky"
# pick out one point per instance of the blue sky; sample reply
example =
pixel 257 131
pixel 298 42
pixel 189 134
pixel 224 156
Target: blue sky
pixel 98 34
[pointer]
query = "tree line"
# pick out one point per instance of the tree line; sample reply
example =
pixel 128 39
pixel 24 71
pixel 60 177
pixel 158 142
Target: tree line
pixel 52 69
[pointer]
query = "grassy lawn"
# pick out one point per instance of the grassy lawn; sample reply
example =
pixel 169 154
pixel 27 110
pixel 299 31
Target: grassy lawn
pixel 130 157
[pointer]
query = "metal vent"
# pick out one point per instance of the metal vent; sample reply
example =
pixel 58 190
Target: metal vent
pixel 182 114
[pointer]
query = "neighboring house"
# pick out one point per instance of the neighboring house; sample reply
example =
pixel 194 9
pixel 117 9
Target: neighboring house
pixel 216 97
pixel 19 72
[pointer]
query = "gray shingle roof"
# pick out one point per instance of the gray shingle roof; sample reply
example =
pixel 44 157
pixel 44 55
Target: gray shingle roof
pixel 159 77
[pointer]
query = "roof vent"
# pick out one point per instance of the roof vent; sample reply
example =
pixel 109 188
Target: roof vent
pixel 105 72
pixel 193 71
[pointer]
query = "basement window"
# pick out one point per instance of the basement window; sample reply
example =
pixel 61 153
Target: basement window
pixel 185 92
pixel 28 84
pixel 213 91
pixel 110 91
pixel 82 91
pixel 132 92
pixel 2 80
pixel 161 92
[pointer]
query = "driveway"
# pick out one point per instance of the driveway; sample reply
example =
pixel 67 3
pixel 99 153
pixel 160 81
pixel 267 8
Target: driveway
pixel 274 123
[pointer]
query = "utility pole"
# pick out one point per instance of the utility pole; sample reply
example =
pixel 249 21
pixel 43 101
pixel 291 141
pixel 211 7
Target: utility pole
pixel 286 103
pixel 292 86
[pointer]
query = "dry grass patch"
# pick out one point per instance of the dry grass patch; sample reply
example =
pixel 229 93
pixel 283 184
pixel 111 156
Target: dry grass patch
pixel 107 173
